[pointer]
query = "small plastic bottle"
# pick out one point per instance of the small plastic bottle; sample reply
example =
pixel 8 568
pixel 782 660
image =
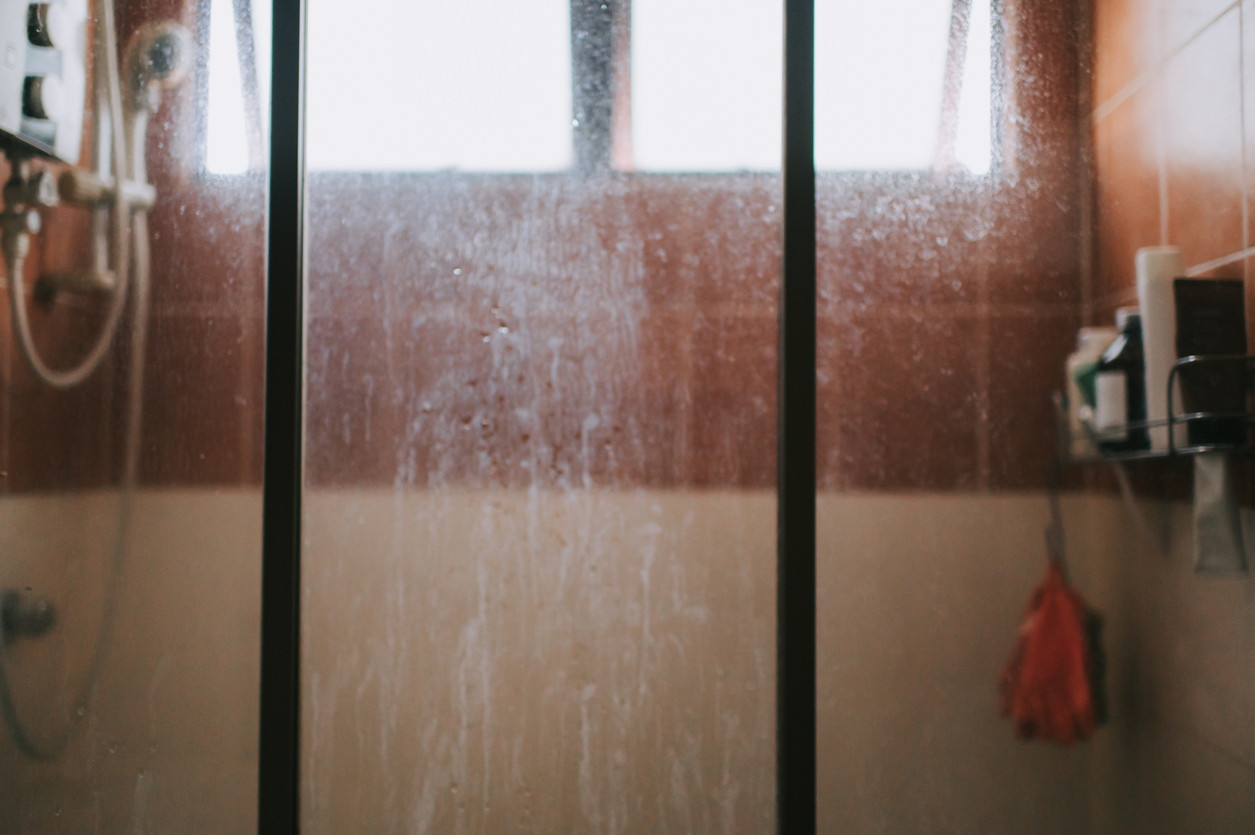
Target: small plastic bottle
pixel 1081 368
pixel 1120 388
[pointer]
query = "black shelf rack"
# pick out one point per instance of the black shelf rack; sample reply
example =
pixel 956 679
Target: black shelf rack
pixel 1176 424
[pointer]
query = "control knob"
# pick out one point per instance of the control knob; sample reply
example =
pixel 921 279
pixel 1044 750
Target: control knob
pixel 48 25
pixel 43 97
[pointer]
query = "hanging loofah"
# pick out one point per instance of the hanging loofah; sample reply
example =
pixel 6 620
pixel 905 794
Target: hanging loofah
pixel 1052 687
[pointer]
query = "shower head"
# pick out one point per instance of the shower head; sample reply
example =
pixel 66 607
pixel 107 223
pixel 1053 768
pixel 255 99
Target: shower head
pixel 159 57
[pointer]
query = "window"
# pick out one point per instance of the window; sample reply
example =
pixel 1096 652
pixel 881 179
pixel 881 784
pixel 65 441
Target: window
pixel 230 126
pixel 907 87
pixel 703 72
pixel 429 99
pixel 882 90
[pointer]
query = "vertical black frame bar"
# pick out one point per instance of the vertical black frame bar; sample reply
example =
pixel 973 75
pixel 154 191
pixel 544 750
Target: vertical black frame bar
pixel 278 800
pixel 795 462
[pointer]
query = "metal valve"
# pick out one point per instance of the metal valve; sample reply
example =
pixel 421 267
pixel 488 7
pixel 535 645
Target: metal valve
pixel 22 615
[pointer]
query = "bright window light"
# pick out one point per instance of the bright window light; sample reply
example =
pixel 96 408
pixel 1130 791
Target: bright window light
pixel 972 140
pixel 226 140
pixel 486 86
pixel 879 73
pixel 706 85
pixel 420 85
pixel 879 69
pixel 226 145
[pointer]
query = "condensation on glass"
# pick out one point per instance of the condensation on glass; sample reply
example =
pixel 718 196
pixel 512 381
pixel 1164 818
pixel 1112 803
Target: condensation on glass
pixel 954 271
pixel 539 514
pixel 141 701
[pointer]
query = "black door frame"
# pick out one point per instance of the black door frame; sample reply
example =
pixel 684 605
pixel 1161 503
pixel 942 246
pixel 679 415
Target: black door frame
pixel 279 759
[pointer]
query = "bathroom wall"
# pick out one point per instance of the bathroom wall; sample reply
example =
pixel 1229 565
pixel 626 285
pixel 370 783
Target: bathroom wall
pixel 521 617
pixel 165 736
pixel 560 701
pixel 167 741
pixel 1172 133
pixel 202 404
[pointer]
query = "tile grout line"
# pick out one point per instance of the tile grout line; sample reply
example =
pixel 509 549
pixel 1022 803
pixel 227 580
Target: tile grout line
pixel 1108 107
pixel 1161 164
pixel 1246 209
pixel 1242 130
pixel 1223 260
pixel 6 411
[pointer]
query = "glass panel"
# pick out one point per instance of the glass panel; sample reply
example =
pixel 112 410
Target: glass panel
pixel 950 297
pixel 130 501
pixel 539 531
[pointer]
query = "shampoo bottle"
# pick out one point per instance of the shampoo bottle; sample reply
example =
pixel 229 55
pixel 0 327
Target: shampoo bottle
pixel 1081 370
pixel 1120 389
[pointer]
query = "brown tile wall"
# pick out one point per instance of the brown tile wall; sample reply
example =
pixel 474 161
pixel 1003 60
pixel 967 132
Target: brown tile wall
pixel 1171 153
pixel 203 380
pixel 616 330
pixel 622 330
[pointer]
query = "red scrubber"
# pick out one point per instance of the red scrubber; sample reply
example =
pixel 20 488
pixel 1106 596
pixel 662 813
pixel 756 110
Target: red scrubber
pixel 1053 685
pixel 1046 685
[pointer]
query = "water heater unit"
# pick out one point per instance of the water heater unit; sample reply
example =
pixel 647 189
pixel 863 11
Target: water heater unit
pixel 43 76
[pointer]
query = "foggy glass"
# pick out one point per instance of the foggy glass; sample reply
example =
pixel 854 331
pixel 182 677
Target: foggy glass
pixel 539 539
pixel 949 299
pixel 139 708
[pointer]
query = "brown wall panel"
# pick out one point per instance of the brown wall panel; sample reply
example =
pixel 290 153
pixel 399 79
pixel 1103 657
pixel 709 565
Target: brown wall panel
pixel 635 272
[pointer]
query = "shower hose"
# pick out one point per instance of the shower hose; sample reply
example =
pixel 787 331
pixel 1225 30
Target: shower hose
pixel 129 222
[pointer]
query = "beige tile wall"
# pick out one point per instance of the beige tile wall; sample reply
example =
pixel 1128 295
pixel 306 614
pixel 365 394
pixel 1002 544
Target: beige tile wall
pixel 603 661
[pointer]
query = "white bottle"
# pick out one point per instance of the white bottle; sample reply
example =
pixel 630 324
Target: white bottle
pixel 1157 266
pixel 1090 344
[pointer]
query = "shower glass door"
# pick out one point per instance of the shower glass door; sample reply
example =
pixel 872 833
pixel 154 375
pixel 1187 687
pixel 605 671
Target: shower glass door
pixel 539 511
pixel 950 242
pixel 130 503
